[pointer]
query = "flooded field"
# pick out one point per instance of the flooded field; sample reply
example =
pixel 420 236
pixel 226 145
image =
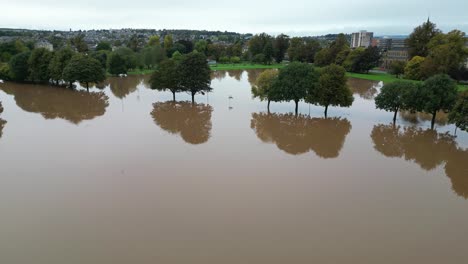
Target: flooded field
pixel 123 174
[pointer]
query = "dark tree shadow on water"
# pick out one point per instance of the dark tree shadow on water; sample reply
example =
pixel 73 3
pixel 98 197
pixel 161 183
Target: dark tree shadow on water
pixel 427 148
pixel 2 122
pixel 191 121
pixel 301 134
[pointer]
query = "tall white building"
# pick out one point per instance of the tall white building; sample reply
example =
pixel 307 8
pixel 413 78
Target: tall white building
pixel 361 39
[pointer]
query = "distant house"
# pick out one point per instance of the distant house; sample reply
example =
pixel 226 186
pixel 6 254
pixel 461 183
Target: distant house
pixel 44 44
pixel 212 62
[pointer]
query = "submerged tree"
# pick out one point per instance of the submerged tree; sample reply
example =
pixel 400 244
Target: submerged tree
pixel 439 93
pixel 395 96
pixel 263 86
pixel 39 65
pixel 58 63
pixel 194 74
pixel 332 89
pixel 459 113
pixel 295 82
pixel 166 77
pixel 84 69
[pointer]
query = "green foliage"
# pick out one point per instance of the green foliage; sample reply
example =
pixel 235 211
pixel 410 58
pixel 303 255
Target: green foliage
pixel 224 59
pixel 235 60
pixel 59 61
pixel 166 77
pixel 332 88
pixel 79 43
pixel 263 86
pixel 4 72
pixel 295 49
pixel 168 42
pixel 129 56
pixel 418 40
pixel 117 64
pixel 334 54
pixel 447 54
pixel 438 93
pixel 84 69
pixel 154 41
pixel 413 69
pixel 280 47
pixel 104 45
pixel 258 42
pixel 195 74
pixel 177 56
pixel 397 68
pixel 39 65
pixel 295 82
pixel 152 55
pixel 11 48
pixel 201 46
pixel 459 113
pixel 361 60
pixel 19 68
pixel 259 58
pixel 268 52
pixel 396 96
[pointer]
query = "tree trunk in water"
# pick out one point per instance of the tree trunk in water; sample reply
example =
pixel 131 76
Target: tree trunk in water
pixel 173 96
pixel 297 106
pixel 433 119
pixel 268 107
pixel 87 86
pixel 71 84
pixel 193 97
pixel 395 115
pixel 326 111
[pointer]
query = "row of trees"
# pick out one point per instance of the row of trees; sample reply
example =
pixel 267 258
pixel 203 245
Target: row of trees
pixel 433 52
pixel 301 81
pixel 190 73
pixel 438 93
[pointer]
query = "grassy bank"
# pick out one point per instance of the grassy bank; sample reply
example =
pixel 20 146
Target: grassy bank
pixel 245 66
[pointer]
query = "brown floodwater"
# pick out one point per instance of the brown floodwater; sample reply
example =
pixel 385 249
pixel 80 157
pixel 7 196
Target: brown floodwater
pixel 124 175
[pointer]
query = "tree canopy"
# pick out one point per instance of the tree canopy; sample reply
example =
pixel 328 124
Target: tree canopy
pixel 395 96
pixel 459 113
pixel 84 69
pixel 263 86
pixel 195 74
pixel 166 77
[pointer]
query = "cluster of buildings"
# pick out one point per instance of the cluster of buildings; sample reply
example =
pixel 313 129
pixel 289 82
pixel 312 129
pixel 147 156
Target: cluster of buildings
pixel 392 48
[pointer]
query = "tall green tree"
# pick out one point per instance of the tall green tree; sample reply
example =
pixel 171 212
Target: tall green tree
pixel 295 82
pixel 104 45
pixel 59 62
pixel 296 48
pixel 395 97
pixel 459 113
pixel 194 74
pixel 280 47
pixel 116 64
pixel 84 69
pixel 79 43
pixel 19 67
pixel 39 65
pixel 257 43
pixel 439 93
pixel 332 88
pixel 263 87
pixel 166 77
pixel 168 42
pixel 268 52
pixel 418 41
pixel 201 46
pixel 154 41
pixel 413 69
pixel 397 68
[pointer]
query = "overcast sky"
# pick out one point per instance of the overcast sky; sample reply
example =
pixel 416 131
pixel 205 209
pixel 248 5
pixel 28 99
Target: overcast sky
pixel 294 17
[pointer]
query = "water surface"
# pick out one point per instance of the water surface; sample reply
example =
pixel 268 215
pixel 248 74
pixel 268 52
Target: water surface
pixel 124 175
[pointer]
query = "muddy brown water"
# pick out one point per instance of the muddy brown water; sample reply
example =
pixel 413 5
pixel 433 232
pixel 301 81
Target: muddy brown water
pixel 124 175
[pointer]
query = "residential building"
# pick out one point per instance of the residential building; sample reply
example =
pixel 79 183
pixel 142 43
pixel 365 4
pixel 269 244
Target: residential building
pixel 392 55
pixel 361 39
pixel 44 44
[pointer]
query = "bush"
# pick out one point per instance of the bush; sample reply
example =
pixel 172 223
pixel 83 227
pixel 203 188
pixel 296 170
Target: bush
pixel 259 58
pixel 4 72
pixel 235 60
pixel 224 59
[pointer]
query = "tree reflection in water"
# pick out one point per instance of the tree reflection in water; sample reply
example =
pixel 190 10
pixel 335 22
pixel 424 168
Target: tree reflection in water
pixel 58 102
pixel 121 87
pixel 427 148
pixel 301 134
pixel 2 122
pixel 191 121
pixel 364 88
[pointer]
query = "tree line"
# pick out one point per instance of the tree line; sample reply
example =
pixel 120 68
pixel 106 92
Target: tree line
pixel 301 81
pixel 437 93
pixel 433 52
